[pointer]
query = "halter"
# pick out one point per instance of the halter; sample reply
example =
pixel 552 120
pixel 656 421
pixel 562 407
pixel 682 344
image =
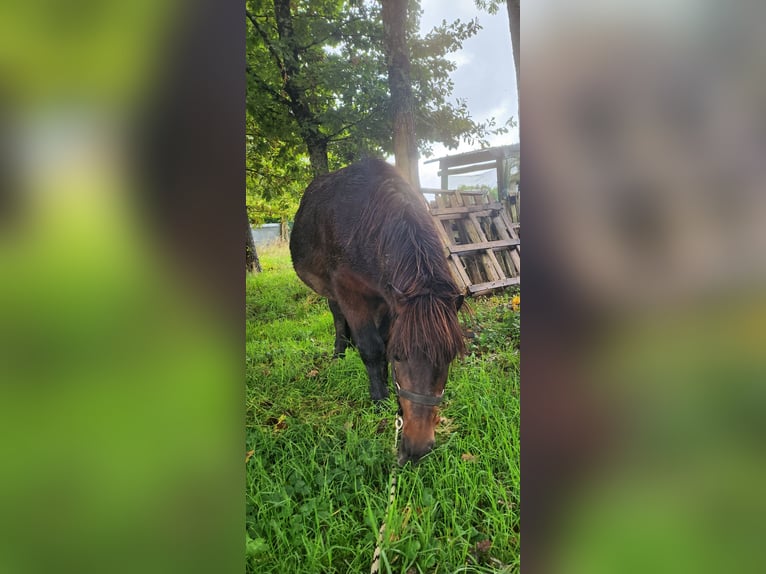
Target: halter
pixel 427 400
pixel 418 398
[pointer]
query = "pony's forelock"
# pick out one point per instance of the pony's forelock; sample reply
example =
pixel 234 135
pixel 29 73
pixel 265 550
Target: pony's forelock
pixel 427 326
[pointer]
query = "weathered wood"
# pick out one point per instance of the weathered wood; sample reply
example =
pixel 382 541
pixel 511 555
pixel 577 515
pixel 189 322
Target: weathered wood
pixel 481 241
pixel 485 269
pixel 482 288
pixel 475 198
pixel 490 261
pixel 468 169
pixel 446 239
pixel 445 179
pixel 466 209
pixel 457 265
pixel 440 201
pixel 502 180
pixel 477 156
pixel 504 160
pixel 511 230
pixel 476 247
pixel 460 200
pixel 509 268
pixel 435 191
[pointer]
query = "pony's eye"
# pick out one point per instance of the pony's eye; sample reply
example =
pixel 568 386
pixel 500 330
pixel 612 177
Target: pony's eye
pixel 396 358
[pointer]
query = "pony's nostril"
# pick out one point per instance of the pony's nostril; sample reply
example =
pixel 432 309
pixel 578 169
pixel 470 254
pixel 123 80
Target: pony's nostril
pixel 407 453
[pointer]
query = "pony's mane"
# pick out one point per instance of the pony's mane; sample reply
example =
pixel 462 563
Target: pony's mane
pixel 428 326
pixel 412 262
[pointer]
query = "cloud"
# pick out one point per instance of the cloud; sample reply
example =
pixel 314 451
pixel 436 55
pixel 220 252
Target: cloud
pixel 461 58
pixel 485 77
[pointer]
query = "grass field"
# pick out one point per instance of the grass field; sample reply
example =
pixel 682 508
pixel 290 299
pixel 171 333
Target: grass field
pixel 317 479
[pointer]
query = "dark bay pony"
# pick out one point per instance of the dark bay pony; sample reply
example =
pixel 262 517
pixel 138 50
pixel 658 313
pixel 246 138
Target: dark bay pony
pixel 363 238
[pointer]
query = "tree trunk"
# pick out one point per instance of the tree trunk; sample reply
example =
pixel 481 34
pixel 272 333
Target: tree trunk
pixel 284 230
pixel 402 102
pixel 514 22
pixel 308 122
pixel 252 264
pixel 317 147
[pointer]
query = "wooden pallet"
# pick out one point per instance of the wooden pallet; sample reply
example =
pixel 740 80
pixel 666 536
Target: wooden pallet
pixel 481 242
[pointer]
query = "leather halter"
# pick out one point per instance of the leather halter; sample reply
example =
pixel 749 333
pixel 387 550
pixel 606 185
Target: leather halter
pixel 418 398
pixel 426 400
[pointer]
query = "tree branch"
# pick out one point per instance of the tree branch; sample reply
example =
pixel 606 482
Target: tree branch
pixel 278 97
pixel 334 33
pixel 267 42
pixel 331 137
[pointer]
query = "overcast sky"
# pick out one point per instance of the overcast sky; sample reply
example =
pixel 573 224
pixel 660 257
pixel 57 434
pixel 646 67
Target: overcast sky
pixel 485 76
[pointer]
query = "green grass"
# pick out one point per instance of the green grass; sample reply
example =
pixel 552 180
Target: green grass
pixel 317 483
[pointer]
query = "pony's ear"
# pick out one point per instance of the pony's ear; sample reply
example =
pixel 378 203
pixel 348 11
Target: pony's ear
pixel 459 301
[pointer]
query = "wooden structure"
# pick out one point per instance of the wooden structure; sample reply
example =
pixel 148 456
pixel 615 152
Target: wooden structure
pixel 480 236
pixel 480 241
pixel 503 159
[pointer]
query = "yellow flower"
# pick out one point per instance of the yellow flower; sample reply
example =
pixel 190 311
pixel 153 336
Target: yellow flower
pixel 516 303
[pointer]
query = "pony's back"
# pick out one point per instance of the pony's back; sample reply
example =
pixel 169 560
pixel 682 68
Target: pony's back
pixel 353 214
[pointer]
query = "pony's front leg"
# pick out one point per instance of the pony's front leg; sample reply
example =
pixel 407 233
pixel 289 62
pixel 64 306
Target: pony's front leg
pixel 342 330
pixel 373 353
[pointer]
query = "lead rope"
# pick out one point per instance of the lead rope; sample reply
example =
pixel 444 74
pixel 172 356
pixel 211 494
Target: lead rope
pixel 375 568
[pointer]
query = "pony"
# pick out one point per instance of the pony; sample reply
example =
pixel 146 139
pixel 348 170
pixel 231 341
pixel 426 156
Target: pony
pixel 363 238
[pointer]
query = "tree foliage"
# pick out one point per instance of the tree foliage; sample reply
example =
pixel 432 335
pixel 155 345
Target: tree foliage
pixel 318 95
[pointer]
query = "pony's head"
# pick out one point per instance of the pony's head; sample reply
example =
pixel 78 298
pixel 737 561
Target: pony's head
pixel 425 338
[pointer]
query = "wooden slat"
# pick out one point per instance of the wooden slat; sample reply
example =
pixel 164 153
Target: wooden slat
pixel 486 245
pixel 457 265
pixel 480 288
pixel 491 269
pixel 440 202
pixel 475 198
pixel 469 168
pixel 446 239
pixel 461 217
pixel 486 207
pixel 500 272
pixel 502 180
pixel 502 221
pixel 489 256
pixel 504 257
pixel 434 191
pixel 476 156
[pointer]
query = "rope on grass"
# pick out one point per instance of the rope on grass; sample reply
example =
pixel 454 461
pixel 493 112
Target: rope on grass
pixel 375 568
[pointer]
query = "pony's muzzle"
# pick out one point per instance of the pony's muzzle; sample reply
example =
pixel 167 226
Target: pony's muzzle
pixel 409 452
